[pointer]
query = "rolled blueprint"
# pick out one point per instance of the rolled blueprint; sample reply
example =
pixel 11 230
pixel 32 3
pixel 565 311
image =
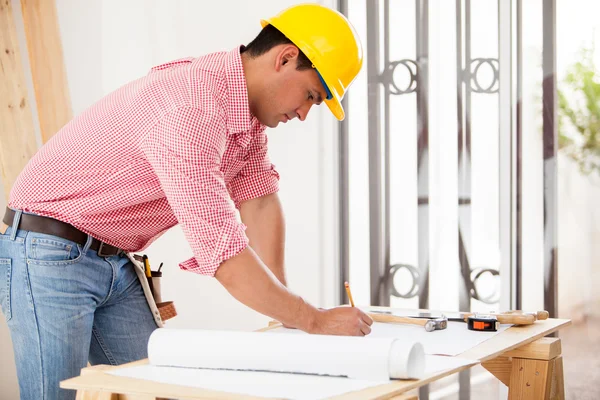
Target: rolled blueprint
pixel 363 358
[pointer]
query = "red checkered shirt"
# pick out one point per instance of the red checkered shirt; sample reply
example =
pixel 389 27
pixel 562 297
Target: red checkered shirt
pixel 176 146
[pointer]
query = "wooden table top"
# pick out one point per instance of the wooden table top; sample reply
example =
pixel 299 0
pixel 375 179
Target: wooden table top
pixel 96 378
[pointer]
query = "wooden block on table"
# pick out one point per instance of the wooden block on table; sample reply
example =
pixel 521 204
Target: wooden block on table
pixel 542 349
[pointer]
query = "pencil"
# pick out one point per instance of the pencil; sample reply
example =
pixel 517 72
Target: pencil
pixel 147 267
pixel 349 293
pixel 148 272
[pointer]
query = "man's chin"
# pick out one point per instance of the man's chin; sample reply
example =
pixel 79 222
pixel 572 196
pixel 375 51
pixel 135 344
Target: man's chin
pixel 272 124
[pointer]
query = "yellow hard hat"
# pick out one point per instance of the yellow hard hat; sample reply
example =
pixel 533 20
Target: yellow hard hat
pixel 329 41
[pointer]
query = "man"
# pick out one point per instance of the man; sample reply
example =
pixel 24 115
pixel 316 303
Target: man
pixel 183 145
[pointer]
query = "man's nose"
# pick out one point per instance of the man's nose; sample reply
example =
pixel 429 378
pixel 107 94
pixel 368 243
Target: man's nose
pixel 303 111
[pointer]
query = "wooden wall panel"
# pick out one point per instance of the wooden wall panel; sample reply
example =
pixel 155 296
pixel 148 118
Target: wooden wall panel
pixel 47 66
pixel 17 134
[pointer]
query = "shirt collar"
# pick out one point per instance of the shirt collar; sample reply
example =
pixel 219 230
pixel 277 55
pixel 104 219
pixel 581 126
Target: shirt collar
pixel 239 117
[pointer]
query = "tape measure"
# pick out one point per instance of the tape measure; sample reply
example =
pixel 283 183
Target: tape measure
pixel 483 323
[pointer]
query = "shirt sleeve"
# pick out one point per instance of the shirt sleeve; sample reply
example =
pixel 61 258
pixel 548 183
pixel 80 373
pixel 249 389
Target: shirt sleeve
pixel 185 149
pixel 258 177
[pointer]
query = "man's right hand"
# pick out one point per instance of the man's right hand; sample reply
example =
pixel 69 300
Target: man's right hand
pixel 348 321
pixel 253 284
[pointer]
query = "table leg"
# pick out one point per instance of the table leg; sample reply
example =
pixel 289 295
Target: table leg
pixel 536 379
pixel 533 371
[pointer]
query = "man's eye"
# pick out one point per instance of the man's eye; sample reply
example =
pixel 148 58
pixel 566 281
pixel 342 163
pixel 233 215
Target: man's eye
pixel 310 96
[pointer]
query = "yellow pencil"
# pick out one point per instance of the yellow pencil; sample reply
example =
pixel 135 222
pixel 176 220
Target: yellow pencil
pixel 147 267
pixel 349 293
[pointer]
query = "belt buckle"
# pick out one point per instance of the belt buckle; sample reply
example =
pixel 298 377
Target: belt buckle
pixel 101 254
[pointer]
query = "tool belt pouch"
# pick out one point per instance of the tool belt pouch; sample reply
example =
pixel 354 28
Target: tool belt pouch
pixel 152 289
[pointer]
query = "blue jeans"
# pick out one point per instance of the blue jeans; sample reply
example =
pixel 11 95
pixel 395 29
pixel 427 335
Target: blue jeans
pixel 65 305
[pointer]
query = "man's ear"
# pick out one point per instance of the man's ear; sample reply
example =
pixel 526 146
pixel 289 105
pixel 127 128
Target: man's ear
pixel 287 56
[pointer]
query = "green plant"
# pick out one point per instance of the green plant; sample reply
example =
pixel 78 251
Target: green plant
pixel 579 113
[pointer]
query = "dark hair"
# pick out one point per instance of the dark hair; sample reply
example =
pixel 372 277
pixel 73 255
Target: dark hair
pixel 270 37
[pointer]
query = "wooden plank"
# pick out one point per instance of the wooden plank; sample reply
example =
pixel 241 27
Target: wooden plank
pixel 542 349
pixel 104 382
pixel 406 397
pixel 17 133
pixel 500 367
pixel 536 379
pixel 86 395
pixel 557 388
pixel 47 65
pixel 99 395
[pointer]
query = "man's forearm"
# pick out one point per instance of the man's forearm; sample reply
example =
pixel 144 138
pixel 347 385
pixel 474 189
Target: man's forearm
pixel 265 224
pixel 250 282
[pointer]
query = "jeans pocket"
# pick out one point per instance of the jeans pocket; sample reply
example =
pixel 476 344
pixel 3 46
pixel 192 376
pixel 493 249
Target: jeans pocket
pixel 51 250
pixel 5 278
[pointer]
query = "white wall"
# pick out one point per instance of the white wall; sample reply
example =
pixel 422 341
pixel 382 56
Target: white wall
pixel 106 44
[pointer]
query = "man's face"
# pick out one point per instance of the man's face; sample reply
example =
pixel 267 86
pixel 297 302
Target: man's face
pixel 288 92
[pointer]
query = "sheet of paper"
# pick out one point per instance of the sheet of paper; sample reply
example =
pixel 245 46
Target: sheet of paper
pixel 353 357
pixel 263 384
pixel 437 364
pixel 453 340
pixel 270 384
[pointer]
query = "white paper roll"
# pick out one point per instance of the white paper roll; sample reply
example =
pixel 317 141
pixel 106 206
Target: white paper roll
pixel 407 360
pixel 353 357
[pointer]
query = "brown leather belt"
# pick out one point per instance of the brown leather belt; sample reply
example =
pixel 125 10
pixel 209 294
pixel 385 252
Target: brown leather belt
pixel 49 226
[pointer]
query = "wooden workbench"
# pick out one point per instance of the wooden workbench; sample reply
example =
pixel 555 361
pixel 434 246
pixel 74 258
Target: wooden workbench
pixel 529 363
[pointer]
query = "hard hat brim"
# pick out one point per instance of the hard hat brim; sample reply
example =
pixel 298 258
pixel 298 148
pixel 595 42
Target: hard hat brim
pixel 336 108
